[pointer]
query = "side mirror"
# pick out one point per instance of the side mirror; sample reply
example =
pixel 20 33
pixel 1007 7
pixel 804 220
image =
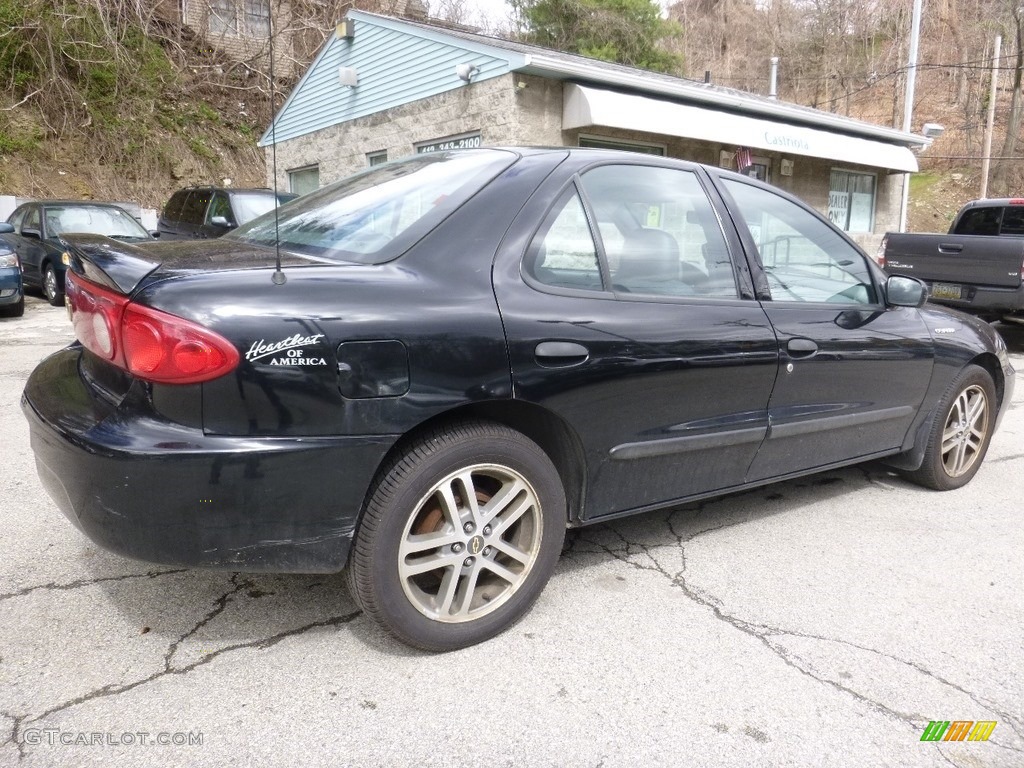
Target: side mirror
pixel 5 228
pixel 221 221
pixel 35 234
pixel 903 291
pixel 154 233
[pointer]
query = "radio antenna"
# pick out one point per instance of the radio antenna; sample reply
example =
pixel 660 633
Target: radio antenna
pixel 278 277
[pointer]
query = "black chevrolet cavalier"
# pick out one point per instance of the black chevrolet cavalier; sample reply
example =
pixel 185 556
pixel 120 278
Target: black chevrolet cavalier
pixel 450 359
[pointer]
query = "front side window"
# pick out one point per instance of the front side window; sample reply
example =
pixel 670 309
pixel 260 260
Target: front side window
pixel 32 220
pixel 378 214
pixel 16 218
pixel 803 257
pixel 219 206
pixel 851 200
pixel 660 232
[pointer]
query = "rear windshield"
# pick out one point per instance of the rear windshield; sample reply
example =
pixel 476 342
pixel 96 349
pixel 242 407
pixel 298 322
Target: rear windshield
pixel 376 215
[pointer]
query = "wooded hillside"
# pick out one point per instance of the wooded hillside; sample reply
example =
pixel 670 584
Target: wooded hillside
pixel 129 99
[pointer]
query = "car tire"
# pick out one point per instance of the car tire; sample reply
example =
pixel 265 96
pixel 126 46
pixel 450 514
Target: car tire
pixel 51 287
pixel 14 310
pixel 485 561
pixel 960 432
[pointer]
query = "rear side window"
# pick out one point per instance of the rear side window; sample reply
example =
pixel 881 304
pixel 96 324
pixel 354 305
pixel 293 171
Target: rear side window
pixel 195 207
pixel 979 221
pixel 1013 221
pixel 660 232
pixel 172 210
pixel 563 253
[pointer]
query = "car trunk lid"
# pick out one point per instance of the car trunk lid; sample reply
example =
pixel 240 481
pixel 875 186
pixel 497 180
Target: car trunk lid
pixel 124 267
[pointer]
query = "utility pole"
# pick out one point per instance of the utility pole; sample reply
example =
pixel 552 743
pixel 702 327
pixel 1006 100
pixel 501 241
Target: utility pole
pixel 986 153
pixel 908 101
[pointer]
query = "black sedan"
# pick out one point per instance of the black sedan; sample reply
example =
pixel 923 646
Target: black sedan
pixel 427 371
pixel 38 239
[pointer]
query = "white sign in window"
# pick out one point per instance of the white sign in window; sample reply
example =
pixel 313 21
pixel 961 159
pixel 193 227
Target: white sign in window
pixel 851 200
pixel 468 141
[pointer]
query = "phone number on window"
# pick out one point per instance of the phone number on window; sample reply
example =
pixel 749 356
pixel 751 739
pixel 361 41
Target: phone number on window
pixel 467 142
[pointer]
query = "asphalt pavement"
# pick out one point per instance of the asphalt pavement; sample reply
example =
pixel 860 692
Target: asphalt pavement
pixel 819 622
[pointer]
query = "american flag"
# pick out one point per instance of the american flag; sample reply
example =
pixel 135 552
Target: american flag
pixel 744 159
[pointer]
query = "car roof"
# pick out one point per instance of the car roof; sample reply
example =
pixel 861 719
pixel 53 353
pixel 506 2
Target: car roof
pixel 226 189
pixel 65 203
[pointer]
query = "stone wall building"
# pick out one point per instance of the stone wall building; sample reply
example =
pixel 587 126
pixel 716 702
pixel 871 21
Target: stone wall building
pixel 383 88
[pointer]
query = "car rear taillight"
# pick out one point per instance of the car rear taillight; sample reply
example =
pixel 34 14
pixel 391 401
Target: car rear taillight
pixel 150 344
pixel 880 255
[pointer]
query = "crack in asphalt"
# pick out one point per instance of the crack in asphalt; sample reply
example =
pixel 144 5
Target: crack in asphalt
pixel 58 587
pixel 767 634
pixel 220 605
pixel 1001 459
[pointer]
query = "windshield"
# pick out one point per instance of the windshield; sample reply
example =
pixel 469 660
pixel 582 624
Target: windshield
pixel 249 205
pixel 93 220
pixel 376 215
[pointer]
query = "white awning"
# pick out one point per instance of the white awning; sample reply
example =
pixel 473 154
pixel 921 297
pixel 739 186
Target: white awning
pixel 584 107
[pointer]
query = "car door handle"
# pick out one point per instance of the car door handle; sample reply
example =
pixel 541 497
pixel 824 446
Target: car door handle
pixel 950 247
pixel 561 353
pixel 801 347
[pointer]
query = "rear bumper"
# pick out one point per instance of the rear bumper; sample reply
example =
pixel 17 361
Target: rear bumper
pixel 10 286
pixel 984 299
pixel 163 493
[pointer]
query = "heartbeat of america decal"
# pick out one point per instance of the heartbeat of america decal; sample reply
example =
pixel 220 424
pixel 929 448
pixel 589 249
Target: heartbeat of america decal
pixel 289 351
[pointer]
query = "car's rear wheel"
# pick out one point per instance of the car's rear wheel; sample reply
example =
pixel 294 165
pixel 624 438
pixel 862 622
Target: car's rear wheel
pixel 459 537
pixel 51 287
pixel 960 432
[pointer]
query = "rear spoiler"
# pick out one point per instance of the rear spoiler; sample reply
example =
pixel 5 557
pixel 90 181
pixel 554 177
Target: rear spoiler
pixel 108 262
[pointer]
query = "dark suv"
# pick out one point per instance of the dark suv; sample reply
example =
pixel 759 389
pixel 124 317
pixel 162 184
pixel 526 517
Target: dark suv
pixel 201 212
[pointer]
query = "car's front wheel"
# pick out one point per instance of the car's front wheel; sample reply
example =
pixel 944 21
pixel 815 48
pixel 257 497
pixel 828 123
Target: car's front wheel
pixel 14 310
pixel 459 537
pixel 52 287
pixel 960 432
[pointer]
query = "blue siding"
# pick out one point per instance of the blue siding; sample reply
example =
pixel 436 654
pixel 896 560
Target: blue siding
pixel 395 66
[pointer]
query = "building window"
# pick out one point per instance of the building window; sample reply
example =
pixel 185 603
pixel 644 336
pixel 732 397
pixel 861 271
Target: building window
pixel 303 180
pixel 223 19
pixel 257 18
pixel 376 158
pixel 851 200
pixel 627 146
pixel 760 168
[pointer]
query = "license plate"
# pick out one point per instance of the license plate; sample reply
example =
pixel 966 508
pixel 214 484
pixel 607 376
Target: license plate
pixel 945 291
